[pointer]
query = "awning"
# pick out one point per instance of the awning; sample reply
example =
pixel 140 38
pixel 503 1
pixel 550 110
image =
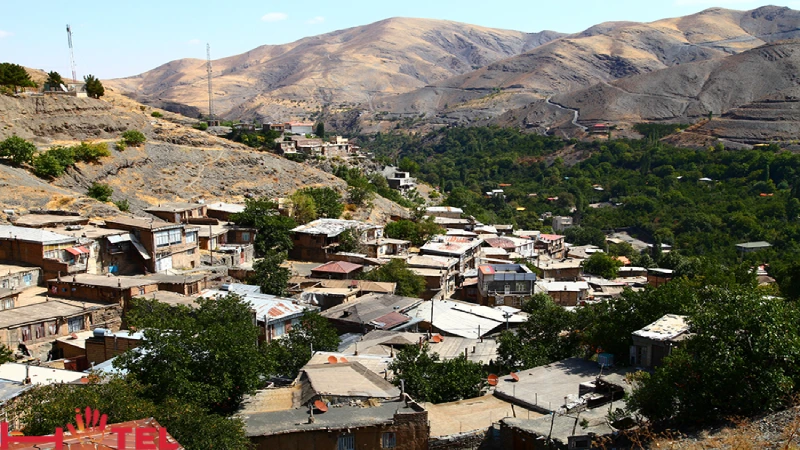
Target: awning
pixel 78 251
pixel 119 238
pixel 140 248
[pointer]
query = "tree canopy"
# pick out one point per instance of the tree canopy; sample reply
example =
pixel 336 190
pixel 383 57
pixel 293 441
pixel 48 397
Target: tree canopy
pixel 94 88
pixel 409 284
pixel 416 232
pixel 17 151
pixel 428 378
pixel 14 76
pixel 273 231
pixel 602 265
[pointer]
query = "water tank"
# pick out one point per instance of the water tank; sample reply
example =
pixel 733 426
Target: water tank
pixel 100 332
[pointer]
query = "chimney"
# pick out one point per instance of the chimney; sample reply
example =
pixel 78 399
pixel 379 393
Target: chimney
pixel 27 379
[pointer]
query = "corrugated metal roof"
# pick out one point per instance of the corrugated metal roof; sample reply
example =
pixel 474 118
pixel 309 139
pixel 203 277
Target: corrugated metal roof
pixel 34 235
pixel 461 319
pixel 667 327
pixel 332 227
pixel 337 267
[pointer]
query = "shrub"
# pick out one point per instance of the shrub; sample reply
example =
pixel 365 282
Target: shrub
pixel 202 126
pixel 123 205
pixel 17 150
pixel 100 192
pixel 121 145
pixel 133 138
pixel 47 165
pixel 89 152
pixel 156 114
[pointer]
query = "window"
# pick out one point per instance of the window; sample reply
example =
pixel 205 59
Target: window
pixel 347 442
pixel 26 333
pixel 190 252
pixel 7 303
pixel 38 330
pixel 175 236
pixel 162 239
pixel 389 440
pixel 517 301
pixel 521 287
pixel 27 279
pixel 141 290
pixel 75 324
pixel 507 289
pixel 51 254
pixel 246 236
pixel 191 237
pixel 52 328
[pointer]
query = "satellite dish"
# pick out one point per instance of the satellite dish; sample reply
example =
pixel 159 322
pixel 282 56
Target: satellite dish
pixel 332 360
pixel 320 406
pixel 437 338
pixel 343 359
pixel 492 379
pixel 514 376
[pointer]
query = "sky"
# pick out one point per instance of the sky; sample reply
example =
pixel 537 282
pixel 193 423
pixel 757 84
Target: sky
pixel 123 38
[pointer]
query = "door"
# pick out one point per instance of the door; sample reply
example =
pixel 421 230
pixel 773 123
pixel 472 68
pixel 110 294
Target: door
pixel 164 264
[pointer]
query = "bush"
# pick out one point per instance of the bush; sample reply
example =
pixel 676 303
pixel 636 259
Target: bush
pixel 100 192
pixel 156 114
pixel 133 138
pixel 202 126
pixel 120 145
pixel 47 165
pixel 89 152
pixel 123 205
pixel 17 150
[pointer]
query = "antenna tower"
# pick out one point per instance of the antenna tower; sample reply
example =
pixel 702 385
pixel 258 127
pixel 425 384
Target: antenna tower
pixel 210 97
pixel 71 54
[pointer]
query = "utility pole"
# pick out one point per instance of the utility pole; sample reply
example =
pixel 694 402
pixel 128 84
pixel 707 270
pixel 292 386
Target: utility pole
pixel 71 54
pixel 210 95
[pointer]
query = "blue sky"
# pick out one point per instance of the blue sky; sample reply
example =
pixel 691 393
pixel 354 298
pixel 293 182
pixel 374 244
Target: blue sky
pixel 122 38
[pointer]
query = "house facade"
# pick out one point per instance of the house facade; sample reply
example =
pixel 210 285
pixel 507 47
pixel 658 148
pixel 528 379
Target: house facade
pixel 161 245
pixel 54 253
pixel 317 240
pixel 505 284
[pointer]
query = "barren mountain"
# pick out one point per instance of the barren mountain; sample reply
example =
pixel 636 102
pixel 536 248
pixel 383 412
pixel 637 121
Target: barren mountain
pixel 602 53
pixel 756 92
pixel 177 163
pixel 337 70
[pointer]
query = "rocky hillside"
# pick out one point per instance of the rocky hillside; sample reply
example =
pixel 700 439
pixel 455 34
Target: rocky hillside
pixel 601 54
pixel 177 163
pixel 756 92
pixel 336 70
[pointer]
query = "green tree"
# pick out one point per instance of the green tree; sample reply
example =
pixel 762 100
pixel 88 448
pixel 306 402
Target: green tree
pixel 45 407
pixel 210 358
pixel 733 364
pixel 328 202
pixel 602 265
pixel 100 192
pixel 408 165
pixel 133 138
pixel 273 231
pixel 94 88
pixel 427 378
pixel 319 130
pixel 269 275
pixel 409 284
pixel 290 353
pixel 585 236
pixel 46 165
pixel 17 150
pixel 305 210
pixel 54 80
pixel 416 232
pixel 15 76
pixel 547 336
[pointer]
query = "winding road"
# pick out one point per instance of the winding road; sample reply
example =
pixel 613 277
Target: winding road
pixel 574 112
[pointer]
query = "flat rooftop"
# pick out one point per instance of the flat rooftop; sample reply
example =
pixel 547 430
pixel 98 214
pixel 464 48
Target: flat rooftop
pixel 34 235
pixel 38 312
pixel 39 375
pixel 10 269
pixel 344 417
pixel 106 281
pixel 49 220
pixel 141 222
pixel 471 414
pixel 174 207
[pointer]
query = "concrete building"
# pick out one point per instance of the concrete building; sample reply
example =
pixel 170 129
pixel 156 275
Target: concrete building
pixel 561 223
pixel 399 180
pixel 41 323
pixel 654 342
pixel 223 211
pixel 383 247
pixel 54 253
pixel 161 245
pixel 448 212
pixel 14 279
pixel 551 245
pixel 464 249
pixel 565 293
pixel 299 128
pixel 505 284
pixel 570 269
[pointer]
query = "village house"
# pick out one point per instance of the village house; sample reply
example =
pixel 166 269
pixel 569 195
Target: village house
pixel 54 253
pixel 656 276
pixel 178 212
pixel 50 219
pixel 299 128
pixel 562 269
pixel 223 211
pixel 328 293
pixel 561 223
pixel 14 279
pixel 505 284
pixel 317 240
pixel 338 147
pixel 161 245
pixel 654 342
pixel 383 247
pixel 274 315
pixel 551 245
pixel 401 425
pixel 33 328
pixel 440 274
pixel 467 320
pixel 109 250
pixel 517 247
pixel 451 223
pixel 337 270
pixel 447 212
pixel 464 249
pixel 399 180
pixel 372 312
pixel 101 288
pixel 565 293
